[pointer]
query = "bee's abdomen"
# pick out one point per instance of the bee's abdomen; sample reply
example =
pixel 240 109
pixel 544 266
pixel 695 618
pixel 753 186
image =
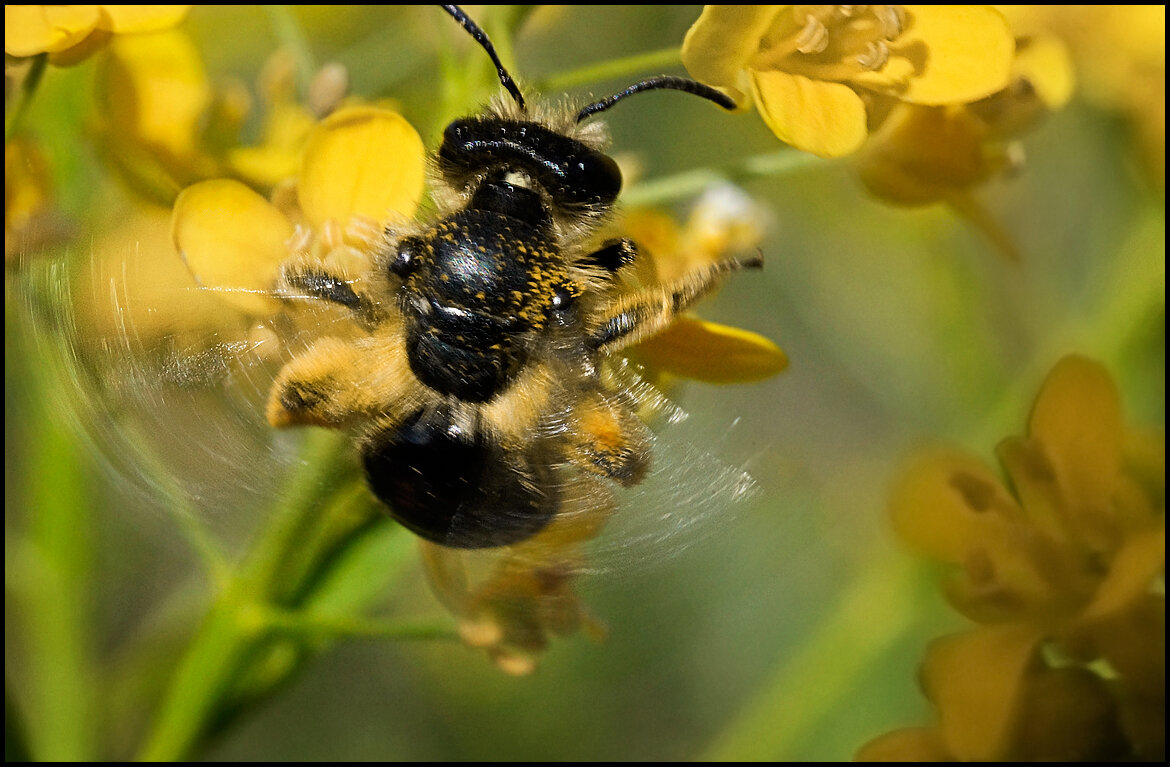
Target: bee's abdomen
pixel 454 489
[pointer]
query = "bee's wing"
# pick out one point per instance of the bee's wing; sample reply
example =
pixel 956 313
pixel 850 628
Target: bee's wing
pixel 165 379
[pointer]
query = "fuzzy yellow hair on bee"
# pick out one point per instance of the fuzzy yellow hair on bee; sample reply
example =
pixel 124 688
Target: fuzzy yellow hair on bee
pixel 481 388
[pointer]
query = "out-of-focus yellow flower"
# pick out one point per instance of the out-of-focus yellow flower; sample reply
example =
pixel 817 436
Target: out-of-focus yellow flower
pixel 923 155
pixel 361 163
pixel 30 219
pixel 163 125
pixel 723 221
pixel 152 97
pixel 1120 56
pixel 132 289
pixel 819 74
pixel 928 154
pixel 69 33
pixel 361 168
pixel 525 594
pixel 1063 566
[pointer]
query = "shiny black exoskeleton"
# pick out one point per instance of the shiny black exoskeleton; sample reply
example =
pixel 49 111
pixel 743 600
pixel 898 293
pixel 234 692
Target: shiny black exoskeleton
pixel 479 291
pixel 571 173
pixel 478 288
pixel 458 489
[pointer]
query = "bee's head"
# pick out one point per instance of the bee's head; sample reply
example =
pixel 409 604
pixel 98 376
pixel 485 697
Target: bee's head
pixel 575 178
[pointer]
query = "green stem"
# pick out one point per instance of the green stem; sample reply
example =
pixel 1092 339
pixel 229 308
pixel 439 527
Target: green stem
pixel 15 116
pixel 48 563
pixel 689 183
pixel 323 465
pixel 234 631
pixel 817 678
pixel 313 626
pixel 212 661
pixel 290 35
pixel 666 58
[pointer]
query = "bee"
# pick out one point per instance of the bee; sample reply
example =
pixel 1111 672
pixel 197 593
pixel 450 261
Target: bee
pixel 488 388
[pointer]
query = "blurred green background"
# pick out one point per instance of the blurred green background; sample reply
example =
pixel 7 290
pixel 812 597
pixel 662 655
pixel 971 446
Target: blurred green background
pixel 787 627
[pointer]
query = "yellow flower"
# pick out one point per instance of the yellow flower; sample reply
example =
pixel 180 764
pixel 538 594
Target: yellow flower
pixel 71 32
pixel 927 154
pixel 526 593
pixel 923 155
pixel 724 221
pixel 164 126
pixel 30 219
pixel 133 290
pixel 1063 566
pixel 818 74
pixel 232 240
pixel 362 167
pixel 1120 57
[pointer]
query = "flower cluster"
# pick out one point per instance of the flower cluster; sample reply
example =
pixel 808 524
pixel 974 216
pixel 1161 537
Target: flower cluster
pixel 511 602
pixel 724 221
pixel 70 33
pixel 1063 568
pixel 362 168
pixel 820 75
pixel 362 171
pixel 163 125
pixel 929 100
pixel 925 154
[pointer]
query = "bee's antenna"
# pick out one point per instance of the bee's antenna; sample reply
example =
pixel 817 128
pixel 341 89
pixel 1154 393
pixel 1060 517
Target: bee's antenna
pixel 657 83
pixel 482 38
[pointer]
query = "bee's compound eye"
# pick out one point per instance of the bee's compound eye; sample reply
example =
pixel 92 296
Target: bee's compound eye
pixel 406 259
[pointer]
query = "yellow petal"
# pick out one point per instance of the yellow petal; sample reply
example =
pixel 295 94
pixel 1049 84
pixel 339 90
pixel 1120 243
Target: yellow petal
pixel 913 744
pixel 1078 420
pixel 944 503
pixel 707 351
pixel 233 241
pixel 720 44
pixel 975 680
pixel 75 54
pixel 826 119
pixel 133 280
pixel 123 19
pixel 949 54
pixel 924 154
pixel 361 161
pixel 155 91
pixel 1046 64
pixel 33 29
pixel 1131 576
pixel 1034 482
pixel 278 156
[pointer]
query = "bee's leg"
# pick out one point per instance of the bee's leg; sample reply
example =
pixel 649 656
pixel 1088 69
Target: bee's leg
pixel 607 438
pixel 321 281
pixel 339 382
pixel 604 436
pixel 613 255
pixel 640 315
